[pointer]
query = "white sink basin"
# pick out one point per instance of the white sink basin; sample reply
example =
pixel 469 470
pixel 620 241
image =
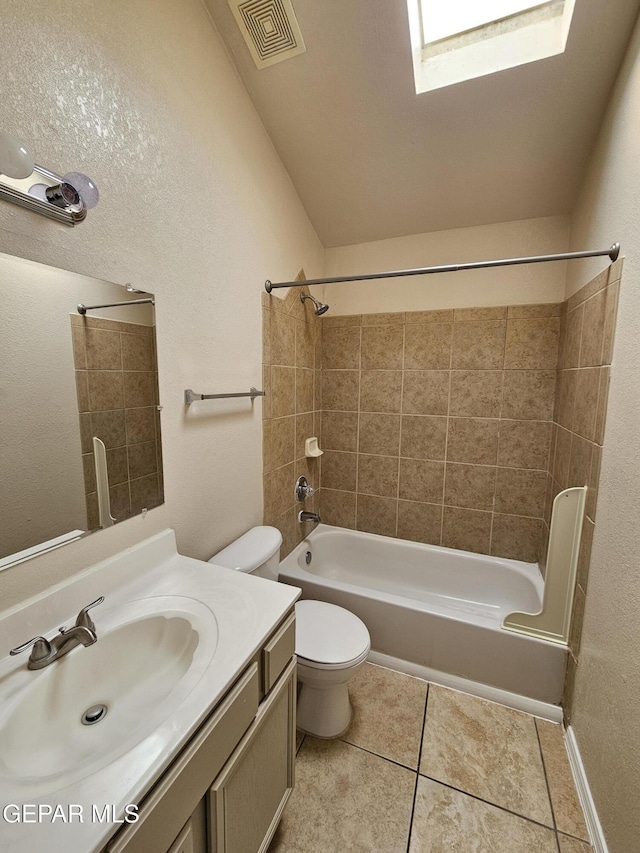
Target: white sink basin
pixel 149 655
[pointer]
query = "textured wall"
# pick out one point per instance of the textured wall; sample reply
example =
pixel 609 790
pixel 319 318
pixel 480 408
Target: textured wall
pixel 517 285
pixel 195 207
pixel 436 425
pixel 605 709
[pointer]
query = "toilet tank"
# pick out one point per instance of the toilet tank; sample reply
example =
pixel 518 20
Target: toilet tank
pixel 257 551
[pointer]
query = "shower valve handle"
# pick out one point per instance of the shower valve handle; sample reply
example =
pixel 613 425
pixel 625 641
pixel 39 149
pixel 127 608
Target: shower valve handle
pixel 303 490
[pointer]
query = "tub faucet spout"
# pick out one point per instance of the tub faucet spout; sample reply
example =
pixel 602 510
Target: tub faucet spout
pixel 308 516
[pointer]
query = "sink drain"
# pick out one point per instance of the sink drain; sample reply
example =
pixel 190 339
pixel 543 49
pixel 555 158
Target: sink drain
pixel 94 714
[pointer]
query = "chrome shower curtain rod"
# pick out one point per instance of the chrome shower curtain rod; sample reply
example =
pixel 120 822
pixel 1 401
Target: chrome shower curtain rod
pixel 612 253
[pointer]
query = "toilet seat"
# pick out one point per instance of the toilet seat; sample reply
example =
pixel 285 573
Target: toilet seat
pixel 329 637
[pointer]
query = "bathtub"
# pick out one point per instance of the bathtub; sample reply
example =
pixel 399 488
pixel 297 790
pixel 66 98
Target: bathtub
pixel 435 611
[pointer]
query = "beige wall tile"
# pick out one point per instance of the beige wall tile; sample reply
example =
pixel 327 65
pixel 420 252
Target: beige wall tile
pixel 473 440
pixel 104 350
pixel 524 444
pixel 110 427
pixel 338 508
pixel 593 330
pixel 120 498
pixel 282 441
pixel 140 389
pixel 378 475
pixel 142 460
pixel 304 390
pixel 339 431
pixel 516 538
pixel 562 458
pixel 381 391
pixel 423 437
pixel 339 470
pixel 549 309
pixel 341 349
pixel 577 618
pixel 565 397
pixel 421 480
pixel 603 399
pixel 611 313
pixel 79 348
pixel 281 485
pixel 332 322
pixel 590 288
pixel 377 515
pixel 580 461
pixel 140 425
pixel 379 434
pixel 144 493
pixel 420 522
pixel 106 390
pixel 443 316
pixel 340 389
pixel 395 319
pixel 532 344
pixel 521 492
pixel 466 529
pixel 266 452
pixel 283 340
pixel 305 344
pixel 266 335
pixel 306 427
pixel 137 352
pixel 594 482
pixel 425 392
pixel 570 355
pixel 566 805
pixel 476 393
pixel 584 558
pixel 89 472
pixel 498 312
pixel 86 433
pixel 266 387
pixel 585 408
pixel 478 345
pixel 428 347
pixel 528 394
pixel 471 486
pixel 283 391
pixel 382 347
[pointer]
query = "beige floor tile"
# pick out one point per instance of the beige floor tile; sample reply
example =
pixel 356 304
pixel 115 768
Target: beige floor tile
pixel 345 799
pixel 446 820
pixel 486 750
pixel 564 797
pixel 572 845
pixel 388 713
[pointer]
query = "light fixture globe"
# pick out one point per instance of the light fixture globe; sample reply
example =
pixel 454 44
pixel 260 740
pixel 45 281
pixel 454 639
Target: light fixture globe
pixel 15 160
pixel 86 188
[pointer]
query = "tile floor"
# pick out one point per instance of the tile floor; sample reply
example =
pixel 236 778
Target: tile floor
pixel 424 769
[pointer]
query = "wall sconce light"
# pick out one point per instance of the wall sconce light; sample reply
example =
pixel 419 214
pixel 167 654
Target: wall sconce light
pixel 65 199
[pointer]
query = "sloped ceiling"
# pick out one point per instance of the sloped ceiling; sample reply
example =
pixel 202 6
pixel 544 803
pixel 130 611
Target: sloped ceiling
pixel 370 159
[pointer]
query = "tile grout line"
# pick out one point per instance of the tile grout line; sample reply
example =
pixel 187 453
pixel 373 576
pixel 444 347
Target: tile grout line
pixel 415 790
pixel 546 780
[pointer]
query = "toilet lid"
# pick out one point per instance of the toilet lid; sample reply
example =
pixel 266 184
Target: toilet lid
pixel 328 634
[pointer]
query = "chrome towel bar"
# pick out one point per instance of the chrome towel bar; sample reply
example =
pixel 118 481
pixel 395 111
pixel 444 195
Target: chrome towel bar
pixel 191 396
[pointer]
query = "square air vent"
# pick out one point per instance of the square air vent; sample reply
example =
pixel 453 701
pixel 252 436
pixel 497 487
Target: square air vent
pixel 269 28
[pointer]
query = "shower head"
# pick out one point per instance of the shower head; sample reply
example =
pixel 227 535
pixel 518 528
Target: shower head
pixel 321 308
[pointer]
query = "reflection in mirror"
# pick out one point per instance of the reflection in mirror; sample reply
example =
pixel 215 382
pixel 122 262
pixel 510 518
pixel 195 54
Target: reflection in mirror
pixel 68 379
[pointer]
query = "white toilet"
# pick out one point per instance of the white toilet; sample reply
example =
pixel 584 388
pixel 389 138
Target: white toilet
pixel 332 644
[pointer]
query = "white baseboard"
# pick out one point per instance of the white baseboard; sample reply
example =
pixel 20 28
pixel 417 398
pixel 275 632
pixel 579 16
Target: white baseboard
pixel 584 793
pixel 544 710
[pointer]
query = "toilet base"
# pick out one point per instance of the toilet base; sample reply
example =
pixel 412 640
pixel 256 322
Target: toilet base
pixel 324 712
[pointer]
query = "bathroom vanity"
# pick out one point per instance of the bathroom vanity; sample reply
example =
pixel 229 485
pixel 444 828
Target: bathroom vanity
pixel 195 665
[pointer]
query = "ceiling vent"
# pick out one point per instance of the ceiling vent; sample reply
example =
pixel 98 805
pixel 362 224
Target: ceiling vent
pixel 269 28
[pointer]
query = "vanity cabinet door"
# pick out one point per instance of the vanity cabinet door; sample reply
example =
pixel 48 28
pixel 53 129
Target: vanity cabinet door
pixel 248 797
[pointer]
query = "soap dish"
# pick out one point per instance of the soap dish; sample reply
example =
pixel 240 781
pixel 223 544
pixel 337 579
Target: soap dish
pixel 311 447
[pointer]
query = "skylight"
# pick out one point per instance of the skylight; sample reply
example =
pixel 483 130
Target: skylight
pixel 457 40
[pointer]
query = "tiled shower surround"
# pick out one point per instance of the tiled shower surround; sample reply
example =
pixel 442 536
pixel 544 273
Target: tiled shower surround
pixel 453 427
pixel 117 384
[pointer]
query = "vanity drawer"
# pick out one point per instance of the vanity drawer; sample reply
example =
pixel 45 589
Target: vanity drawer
pixel 165 810
pixel 278 651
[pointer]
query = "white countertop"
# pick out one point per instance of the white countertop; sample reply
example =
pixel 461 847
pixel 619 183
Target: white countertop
pixel 246 610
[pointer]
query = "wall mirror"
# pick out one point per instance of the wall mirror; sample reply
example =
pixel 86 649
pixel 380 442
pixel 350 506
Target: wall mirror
pixel 80 441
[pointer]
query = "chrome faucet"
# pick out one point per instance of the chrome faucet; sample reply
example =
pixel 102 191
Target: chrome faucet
pixel 46 651
pixel 308 516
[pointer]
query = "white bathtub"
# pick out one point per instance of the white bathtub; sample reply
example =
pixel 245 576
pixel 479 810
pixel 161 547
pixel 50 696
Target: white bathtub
pixel 435 608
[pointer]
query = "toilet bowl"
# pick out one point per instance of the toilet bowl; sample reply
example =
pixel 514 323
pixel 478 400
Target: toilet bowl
pixel 332 643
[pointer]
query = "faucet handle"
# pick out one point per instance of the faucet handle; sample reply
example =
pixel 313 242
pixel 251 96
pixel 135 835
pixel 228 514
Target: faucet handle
pixel 41 648
pixel 83 619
